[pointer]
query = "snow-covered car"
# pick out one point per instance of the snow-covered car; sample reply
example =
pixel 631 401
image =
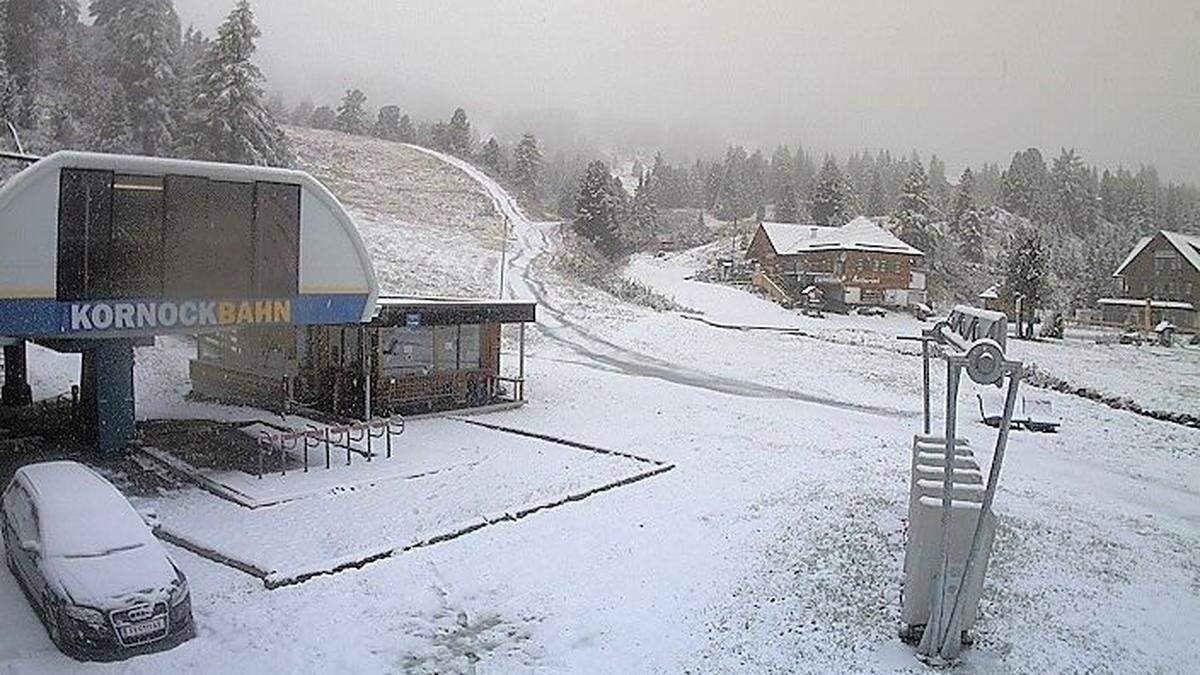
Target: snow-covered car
pixel 102 584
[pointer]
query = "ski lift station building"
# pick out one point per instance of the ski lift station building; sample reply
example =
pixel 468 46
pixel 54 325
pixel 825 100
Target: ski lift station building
pixel 101 253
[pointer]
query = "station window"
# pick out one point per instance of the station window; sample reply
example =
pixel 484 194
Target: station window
pixel 277 229
pixel 84 214
pixel 124 258
pixel 408 351
pixel 469 356
pixel 129 236
pixel 446 356
pixel 209 230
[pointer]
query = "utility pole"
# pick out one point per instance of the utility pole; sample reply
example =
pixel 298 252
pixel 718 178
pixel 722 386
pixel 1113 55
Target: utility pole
pixel 503 253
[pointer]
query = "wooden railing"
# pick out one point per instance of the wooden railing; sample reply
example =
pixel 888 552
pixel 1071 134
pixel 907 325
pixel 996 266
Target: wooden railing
pixel 774 290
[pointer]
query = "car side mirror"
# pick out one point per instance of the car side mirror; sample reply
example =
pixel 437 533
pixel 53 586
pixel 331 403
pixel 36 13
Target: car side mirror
pixel 149 517
pixel 31 546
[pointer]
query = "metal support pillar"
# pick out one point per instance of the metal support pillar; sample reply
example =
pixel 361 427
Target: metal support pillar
pixel 16 391
pixel 106 395
pixel 364 342
pixel 521 362
pixel 939 615
pixel 926 425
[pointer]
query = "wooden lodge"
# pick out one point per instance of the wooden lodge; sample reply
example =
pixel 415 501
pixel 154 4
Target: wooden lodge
pixel 416 355
pixel 1159 280
pixel 860 263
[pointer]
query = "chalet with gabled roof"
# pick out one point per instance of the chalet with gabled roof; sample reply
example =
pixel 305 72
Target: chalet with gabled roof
pixel 1158 280
pixel 869 265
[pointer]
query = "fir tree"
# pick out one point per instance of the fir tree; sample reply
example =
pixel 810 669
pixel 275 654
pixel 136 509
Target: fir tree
pixel 597 208
pixel 568 194
pixel 876 198
pixel 301 115
pixel 1025 276
pixel 192 48
pixel 1023 186
pixel 755 182
pixel 352 113
pixel 228 121
pixel 644 211
pixel 781 170
pixel 527 165
pixel 406 133
pixel 112 132
pixel 277 108
pixel 786 208
pixel 492 158
pixel 27 26
pixel 831 196
pixel 104 12
pixel 145 37
pixel 968 225
pixel 387 123
pixel 1075 196
pixel 939 187
pixel 439 136
pixel 730 201
pixel 458 134
pixel 323 117
pixel 913 210
pixel 7 88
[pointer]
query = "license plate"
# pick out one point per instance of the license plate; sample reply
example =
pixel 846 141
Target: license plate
pixel 144 628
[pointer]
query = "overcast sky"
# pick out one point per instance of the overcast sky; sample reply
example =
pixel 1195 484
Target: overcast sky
pixel 970 80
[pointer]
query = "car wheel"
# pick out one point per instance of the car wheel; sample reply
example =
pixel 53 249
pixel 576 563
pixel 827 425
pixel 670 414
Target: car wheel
pixel 52 624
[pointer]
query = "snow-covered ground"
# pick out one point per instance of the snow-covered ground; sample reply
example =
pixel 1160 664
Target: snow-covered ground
pixel 774 545
pixel 1158 378
pixel 430 229
pixel 430 486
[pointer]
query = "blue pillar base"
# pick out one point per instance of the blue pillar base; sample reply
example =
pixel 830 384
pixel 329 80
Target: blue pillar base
pixel 107 394
pixel 15 392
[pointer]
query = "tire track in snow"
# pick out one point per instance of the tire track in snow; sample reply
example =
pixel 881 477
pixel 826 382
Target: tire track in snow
pixel 556 325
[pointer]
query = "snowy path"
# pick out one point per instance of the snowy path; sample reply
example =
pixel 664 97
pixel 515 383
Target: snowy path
pixel 555 323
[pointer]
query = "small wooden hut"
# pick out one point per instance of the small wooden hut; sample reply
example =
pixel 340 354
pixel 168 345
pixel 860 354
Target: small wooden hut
pixel 416 355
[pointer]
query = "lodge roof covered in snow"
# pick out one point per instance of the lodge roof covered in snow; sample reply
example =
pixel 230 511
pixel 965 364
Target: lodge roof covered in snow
pixel 859 234
pixel 1188 246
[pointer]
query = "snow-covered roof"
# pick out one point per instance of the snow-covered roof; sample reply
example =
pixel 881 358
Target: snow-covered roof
pixel 433 301
pixel 1136 302
pixel 992 293
pixel 859 234
pixel 1188 246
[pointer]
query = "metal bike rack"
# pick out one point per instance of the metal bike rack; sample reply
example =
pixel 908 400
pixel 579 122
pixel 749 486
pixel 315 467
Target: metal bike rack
pixel 973 340
pixel 339 437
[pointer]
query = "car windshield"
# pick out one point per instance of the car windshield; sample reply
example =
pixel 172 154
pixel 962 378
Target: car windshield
pixel 81 515
pixel 85 533
pixel 102 553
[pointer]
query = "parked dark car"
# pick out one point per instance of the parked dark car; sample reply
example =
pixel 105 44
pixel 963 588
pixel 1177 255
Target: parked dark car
pixel 102 584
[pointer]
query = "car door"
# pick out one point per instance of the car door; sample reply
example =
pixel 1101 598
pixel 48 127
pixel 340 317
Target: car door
pixel 7 508
pixel 36 579
pixel 18 511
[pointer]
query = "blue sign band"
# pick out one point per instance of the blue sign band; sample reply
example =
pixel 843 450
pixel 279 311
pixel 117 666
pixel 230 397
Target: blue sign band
pixel 41 317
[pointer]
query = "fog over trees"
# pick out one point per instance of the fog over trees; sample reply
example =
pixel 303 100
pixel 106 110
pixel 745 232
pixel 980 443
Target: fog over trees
pixel 127 76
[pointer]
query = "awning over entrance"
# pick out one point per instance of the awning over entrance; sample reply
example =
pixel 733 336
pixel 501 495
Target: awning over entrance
pixel 414 311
